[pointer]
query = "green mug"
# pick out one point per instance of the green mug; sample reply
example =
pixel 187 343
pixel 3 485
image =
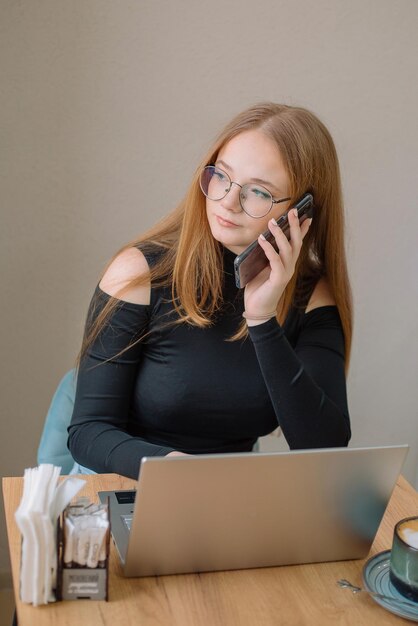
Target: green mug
pixel 403 570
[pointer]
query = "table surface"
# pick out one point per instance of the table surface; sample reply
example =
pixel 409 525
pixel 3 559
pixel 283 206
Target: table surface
pixel 290 595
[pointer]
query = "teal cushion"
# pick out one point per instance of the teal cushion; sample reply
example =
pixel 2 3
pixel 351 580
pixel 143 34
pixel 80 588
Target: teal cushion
pixel 53 445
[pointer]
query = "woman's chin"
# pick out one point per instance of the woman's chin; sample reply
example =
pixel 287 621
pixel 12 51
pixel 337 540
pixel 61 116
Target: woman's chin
pixel 233 246
pixel 229 241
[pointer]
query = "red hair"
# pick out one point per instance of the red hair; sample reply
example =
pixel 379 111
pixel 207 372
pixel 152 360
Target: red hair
pixel 192 259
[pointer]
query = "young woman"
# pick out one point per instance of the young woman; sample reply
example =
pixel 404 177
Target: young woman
pixel 176 359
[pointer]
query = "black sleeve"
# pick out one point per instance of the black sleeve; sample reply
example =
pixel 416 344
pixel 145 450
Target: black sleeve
pixel 98 433
pixel 306 383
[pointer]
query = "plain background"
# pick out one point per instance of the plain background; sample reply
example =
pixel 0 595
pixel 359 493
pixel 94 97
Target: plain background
pixel 106 109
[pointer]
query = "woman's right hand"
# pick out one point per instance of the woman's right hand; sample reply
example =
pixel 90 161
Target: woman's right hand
pixel 264 291
pixel 177 453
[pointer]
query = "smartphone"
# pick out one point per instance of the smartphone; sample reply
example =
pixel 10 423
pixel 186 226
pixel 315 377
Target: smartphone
pixel 250 262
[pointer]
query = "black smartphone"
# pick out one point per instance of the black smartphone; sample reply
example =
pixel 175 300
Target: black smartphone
pixel 250 262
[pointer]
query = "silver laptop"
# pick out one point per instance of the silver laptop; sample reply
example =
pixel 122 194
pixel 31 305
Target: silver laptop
pixel 236 511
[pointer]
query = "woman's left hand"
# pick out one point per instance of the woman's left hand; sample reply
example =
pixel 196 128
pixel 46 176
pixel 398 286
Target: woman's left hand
pixel 262 294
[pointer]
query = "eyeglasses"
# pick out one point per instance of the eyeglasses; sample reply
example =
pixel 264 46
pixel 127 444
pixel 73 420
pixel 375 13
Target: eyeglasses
pixel 255 200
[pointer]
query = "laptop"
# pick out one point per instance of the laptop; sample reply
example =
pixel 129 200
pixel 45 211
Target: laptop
pixel 236 511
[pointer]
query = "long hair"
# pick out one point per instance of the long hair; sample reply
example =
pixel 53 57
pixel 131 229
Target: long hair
pixel 192 259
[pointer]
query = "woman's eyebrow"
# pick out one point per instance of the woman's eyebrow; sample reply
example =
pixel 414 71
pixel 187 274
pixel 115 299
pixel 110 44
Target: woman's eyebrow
pixel 261 181
pixel 225 165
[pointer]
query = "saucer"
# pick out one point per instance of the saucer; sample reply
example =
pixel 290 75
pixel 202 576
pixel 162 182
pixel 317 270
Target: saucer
pixel 376 579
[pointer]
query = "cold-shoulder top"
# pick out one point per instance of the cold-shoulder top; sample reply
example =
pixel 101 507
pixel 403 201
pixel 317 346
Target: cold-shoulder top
pixel 192 389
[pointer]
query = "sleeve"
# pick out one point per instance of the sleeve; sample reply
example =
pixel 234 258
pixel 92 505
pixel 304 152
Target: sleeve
pixel 307 384
pixel 98 433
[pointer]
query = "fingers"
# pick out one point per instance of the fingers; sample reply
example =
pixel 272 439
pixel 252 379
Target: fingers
pixel 305 227
pixel 297 231
pixel 288 249
pixel 277 261
pixel 265 290
pixel 294 228
pixel 177 453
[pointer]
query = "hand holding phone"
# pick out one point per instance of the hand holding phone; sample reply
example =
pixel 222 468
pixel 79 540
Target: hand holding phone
pixel 250 262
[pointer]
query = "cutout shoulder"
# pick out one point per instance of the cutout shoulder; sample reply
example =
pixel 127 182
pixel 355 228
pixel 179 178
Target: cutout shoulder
pixel 128 265
pixel 321 296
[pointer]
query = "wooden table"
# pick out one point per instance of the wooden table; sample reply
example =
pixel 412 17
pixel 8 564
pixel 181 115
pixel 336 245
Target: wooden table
pixel 293 595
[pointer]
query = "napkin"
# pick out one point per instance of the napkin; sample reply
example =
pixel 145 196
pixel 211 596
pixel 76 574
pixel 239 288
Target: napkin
pixel 42 502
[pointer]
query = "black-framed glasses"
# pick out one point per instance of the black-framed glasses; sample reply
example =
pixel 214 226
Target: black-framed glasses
pixel 254 199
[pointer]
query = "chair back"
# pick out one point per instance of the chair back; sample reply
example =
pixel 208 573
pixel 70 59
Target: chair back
pixel 53 444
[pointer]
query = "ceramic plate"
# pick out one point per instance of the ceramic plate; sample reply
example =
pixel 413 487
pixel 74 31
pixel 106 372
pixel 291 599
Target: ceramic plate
pixel 376 579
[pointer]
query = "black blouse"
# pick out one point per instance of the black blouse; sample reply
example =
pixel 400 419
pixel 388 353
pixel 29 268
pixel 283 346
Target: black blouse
pixel 192 389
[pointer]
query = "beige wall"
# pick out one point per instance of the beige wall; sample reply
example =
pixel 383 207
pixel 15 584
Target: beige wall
pixel 106 107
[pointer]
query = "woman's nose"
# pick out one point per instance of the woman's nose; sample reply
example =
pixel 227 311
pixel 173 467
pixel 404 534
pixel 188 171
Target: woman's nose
pixel 231 200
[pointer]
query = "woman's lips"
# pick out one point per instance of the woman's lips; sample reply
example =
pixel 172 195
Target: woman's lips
pixel 226 223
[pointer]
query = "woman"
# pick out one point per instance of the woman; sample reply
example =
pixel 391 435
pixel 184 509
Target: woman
pixel 176 359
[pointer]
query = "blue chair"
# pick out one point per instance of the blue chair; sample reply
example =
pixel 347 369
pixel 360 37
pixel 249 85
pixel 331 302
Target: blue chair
pixel 53 444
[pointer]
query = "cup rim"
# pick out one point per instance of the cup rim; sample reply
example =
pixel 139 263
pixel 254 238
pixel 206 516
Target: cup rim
pixel 396 531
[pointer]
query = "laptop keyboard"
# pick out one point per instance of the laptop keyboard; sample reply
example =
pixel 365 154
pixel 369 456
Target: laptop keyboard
pixel 125 497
